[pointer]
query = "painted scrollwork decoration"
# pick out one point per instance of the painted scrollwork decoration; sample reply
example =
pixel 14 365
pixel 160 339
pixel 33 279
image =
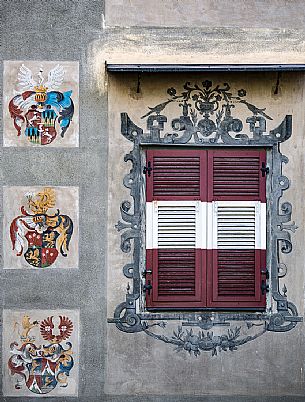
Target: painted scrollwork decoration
pixel 195 343
pixel 207 119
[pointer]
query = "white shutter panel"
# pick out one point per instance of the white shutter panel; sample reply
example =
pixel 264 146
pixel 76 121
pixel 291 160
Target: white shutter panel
pixel 175 224
pixel 239 225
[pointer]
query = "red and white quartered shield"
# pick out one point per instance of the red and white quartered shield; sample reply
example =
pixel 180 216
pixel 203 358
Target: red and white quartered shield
pixel 206 228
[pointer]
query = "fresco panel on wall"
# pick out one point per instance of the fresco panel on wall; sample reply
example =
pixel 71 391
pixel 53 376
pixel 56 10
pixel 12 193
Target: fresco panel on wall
pixel 40 227
pixel 40 352
pixel 41 104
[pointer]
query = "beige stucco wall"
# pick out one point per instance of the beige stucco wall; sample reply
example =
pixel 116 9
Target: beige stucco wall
pixel 205 13
pixel 139 364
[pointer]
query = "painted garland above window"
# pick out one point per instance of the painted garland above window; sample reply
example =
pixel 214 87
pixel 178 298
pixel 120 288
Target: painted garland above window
pixel 206 123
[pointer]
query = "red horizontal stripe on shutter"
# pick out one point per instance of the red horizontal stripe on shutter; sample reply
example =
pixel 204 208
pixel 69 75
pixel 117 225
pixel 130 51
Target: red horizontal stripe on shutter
pixel 176 272
pixel 177 276
pixel 236 175
pixel 176 175
pixel 235 276
pixel 236 273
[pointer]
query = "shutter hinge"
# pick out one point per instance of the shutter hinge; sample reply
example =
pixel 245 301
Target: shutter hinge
pixel 264 271
pixel 147 169
pixel 147 288
pixel 264 287
pixel 264 169
pixel 146 272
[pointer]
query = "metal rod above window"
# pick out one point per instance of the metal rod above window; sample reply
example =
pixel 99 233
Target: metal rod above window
pixel 158 68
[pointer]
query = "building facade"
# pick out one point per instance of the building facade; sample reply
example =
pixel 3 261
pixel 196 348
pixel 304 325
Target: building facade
pixel 152 197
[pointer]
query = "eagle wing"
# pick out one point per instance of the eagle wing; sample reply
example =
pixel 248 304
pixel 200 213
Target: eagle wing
pixel 25 78
pixel 65 328
pixel 55 77
pixel 46 329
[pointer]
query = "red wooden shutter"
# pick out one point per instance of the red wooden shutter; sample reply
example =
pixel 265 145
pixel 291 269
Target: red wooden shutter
pixel 237 192
pixel 236 175
pixel 174 190
pixel 176 175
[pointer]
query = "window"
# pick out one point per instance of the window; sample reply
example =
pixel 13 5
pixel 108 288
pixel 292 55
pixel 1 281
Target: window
pixel 205 228
pixel 204 221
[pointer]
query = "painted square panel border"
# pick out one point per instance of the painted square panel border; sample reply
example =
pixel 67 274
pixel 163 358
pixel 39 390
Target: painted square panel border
pixel 41 103
pixel 40 227
pixel 39 360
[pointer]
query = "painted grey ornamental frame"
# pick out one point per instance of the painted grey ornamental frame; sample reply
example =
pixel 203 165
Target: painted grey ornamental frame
pixel 224 131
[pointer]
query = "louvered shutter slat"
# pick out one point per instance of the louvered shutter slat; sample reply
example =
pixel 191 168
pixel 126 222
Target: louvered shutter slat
pixel 173 281
pixel 176 174
pixel 177 278
pixel 231 229
pixel 238 254
pixel 174 256
pixel 236 277
pixel 236 175
pixel 176 226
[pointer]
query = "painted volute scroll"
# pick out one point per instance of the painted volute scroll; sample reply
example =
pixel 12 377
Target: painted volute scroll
pixel 206 226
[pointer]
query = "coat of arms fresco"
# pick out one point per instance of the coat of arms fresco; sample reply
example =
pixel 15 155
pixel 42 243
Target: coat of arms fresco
pixel 42 233
pixel 41 103
pixel 41 350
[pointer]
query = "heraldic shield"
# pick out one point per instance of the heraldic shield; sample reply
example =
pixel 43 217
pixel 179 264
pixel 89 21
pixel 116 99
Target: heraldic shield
pixel 46 234
pixel 42 375
pixel 41 250
pixel 42 368
pixel 40 125
pixel 39 107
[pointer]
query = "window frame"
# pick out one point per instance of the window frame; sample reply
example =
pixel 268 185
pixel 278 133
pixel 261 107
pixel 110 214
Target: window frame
pixel 130 316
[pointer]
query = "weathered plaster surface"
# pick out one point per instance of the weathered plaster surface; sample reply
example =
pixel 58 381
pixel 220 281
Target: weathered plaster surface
pixel 157 362
pixel 56 31
pixel 205 13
